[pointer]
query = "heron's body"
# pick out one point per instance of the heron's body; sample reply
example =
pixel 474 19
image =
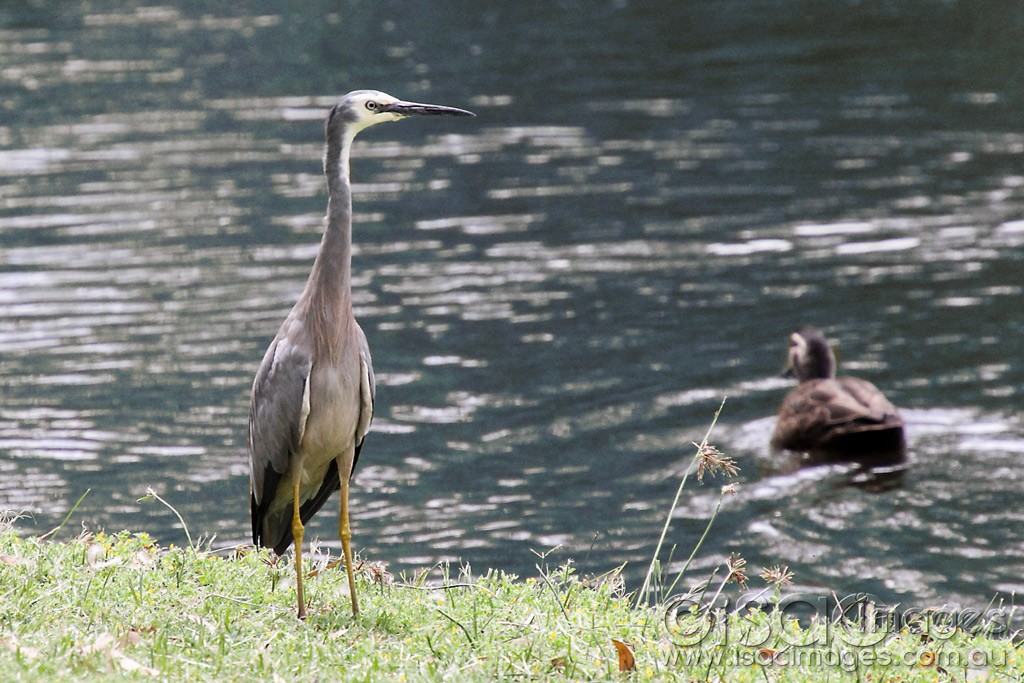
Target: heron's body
pixel 825 414
pixel 331 428
pixel 312 399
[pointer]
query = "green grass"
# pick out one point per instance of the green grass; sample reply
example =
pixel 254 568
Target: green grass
pixel 118 607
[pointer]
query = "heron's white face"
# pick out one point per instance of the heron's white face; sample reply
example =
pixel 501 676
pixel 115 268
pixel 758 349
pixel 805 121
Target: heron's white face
pixel 368 108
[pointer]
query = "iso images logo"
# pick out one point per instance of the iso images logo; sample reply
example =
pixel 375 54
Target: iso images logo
pixel 849 634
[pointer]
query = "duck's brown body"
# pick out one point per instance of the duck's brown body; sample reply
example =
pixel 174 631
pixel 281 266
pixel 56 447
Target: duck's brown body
pixel 844 416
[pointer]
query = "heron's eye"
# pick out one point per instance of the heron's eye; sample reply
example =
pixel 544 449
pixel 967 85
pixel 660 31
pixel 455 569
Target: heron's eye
pixel 371 105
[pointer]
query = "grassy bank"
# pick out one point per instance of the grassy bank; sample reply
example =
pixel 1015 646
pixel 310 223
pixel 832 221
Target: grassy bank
pixel 118 607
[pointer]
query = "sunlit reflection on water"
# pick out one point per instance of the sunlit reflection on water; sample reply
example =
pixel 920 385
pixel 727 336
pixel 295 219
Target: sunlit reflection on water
pixel 557 298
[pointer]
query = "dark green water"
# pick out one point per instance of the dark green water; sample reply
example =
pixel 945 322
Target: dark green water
pixel 558 293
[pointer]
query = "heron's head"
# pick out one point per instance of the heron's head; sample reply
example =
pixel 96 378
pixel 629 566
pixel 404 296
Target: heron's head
pixel 364 108
pixel 810 356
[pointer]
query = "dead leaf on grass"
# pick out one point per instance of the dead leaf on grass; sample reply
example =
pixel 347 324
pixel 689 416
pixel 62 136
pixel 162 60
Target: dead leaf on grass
pixel 129 639
pixel 143 560
pixel 104 641
pixel 626 660
pixel 129 665
pixel 94 554
pixel 107 643
pixel 340 562
pixel 27 652
pixel 205 623
pixel 15 560
pixel 379 574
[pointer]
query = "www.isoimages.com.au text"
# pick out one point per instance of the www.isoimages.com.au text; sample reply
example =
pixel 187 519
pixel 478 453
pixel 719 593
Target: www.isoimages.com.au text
pixel 847 660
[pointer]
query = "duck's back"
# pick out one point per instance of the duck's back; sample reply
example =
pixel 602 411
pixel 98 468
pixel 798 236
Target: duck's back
pixel 841 414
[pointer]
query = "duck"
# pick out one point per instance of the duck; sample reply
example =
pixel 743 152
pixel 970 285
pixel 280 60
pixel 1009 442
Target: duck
pixel 829 417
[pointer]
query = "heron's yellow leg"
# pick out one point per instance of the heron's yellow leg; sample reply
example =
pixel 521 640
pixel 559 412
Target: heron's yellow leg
pixel 297 532
pixel 345 533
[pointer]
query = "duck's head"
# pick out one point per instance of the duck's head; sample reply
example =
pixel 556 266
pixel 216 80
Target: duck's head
pixel 810 356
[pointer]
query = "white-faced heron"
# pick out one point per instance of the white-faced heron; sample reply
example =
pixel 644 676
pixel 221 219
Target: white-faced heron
pixel 312 398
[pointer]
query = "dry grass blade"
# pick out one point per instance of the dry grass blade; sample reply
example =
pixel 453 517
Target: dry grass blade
pixel 646 587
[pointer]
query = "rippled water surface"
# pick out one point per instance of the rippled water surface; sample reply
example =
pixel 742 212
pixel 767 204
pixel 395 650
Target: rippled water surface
pixel 558 293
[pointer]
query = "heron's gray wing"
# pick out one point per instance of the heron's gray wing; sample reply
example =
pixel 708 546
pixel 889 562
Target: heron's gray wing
pixel 277 414
pixel 332 482
pixel 367 393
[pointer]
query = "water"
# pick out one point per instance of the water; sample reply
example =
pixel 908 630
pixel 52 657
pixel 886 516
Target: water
pixel 558 293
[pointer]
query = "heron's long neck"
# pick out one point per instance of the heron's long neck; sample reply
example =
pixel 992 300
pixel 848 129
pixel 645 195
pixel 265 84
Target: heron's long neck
pixel 329 288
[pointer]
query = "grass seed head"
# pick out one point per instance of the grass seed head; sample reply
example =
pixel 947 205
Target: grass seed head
pixel 778 576
pixel 737 569
pixel 711 460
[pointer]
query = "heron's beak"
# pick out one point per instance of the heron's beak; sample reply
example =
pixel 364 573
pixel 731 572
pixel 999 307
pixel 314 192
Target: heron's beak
pixel 417 109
